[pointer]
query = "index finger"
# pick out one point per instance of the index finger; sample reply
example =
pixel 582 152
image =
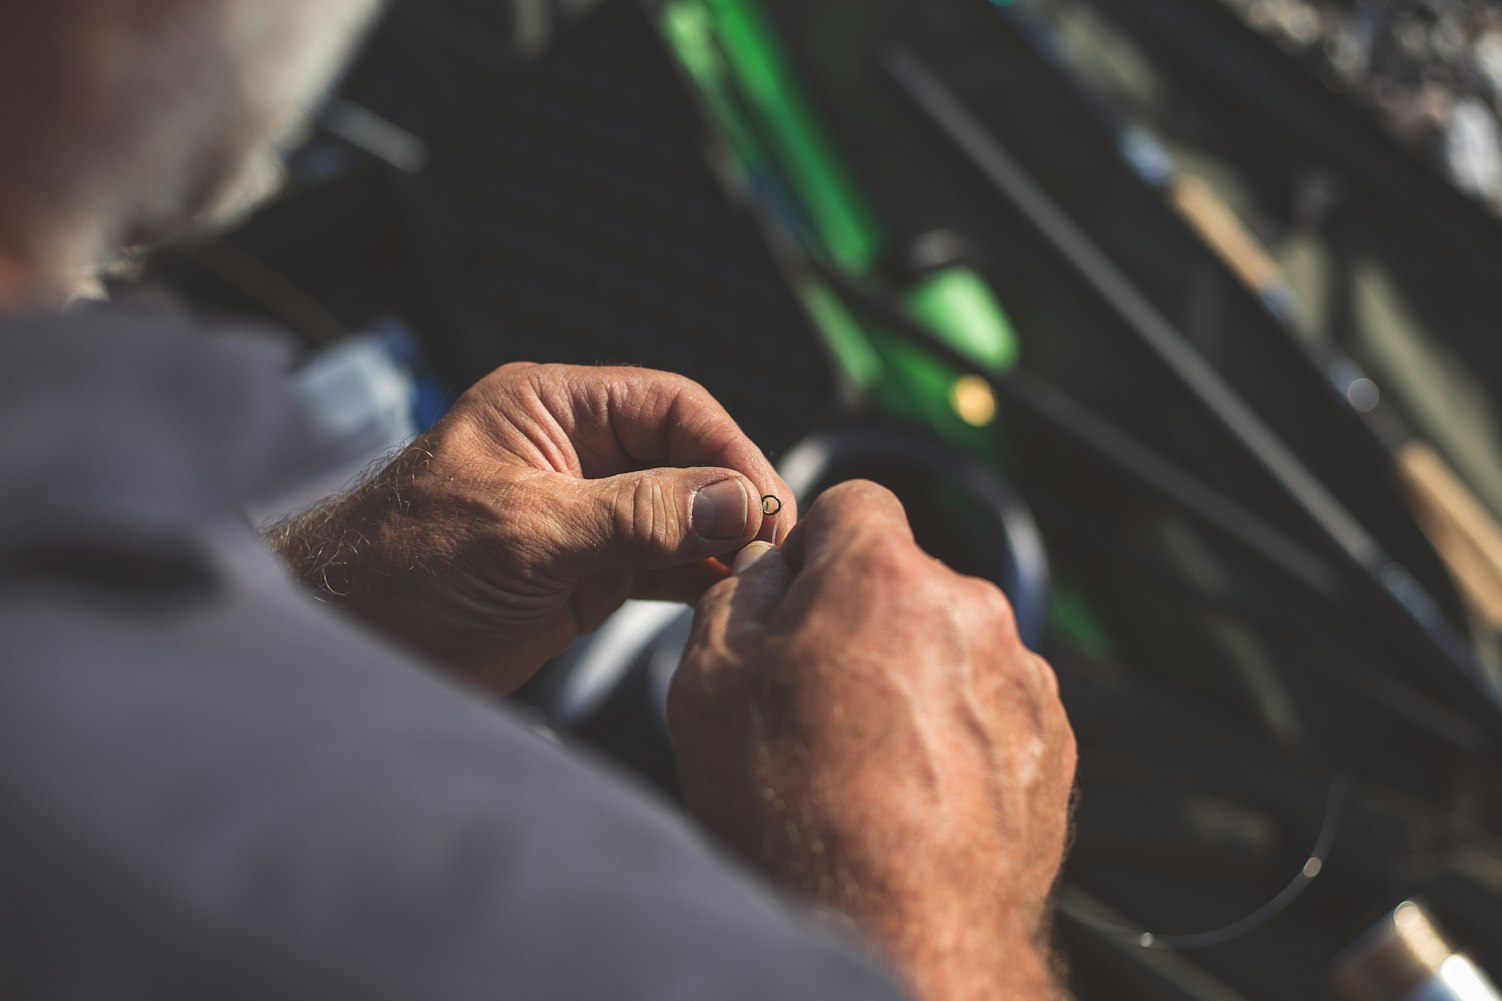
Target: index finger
pixel 623 419
pixel 732 617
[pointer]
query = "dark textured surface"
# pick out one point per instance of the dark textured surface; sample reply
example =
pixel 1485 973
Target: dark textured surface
pixel 574 217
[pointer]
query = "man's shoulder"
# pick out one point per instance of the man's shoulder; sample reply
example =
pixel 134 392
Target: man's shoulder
pixel 129 414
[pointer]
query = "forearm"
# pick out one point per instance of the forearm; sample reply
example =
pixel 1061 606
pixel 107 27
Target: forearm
pixel 325 547
pixel 357 551
pixel 340 548
pixel 318 548
pixel 941 946
pixel 949 928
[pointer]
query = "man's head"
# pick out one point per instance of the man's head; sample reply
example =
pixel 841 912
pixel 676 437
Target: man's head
pixel 125 121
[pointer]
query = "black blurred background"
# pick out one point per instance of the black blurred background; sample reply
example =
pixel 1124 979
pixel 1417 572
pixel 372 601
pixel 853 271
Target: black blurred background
pixel 539 181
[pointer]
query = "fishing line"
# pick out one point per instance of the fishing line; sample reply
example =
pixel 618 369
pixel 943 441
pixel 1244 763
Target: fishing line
pixel 1285 898
pixel 771 507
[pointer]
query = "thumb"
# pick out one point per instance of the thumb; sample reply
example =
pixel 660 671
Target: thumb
pixel 662 518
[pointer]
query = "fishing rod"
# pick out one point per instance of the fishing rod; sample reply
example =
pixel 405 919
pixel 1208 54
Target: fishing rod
pixel 1114 449
pixel 785 135
pixel 1461 529
pixel 1466 536
pixel 1137 464
pixel 1399 602
pixel 1117 452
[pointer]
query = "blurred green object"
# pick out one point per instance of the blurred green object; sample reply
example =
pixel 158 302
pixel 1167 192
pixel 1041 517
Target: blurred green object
pixel 844 336
pixel 779 154
pixel 847 233
pixel 957 302
pixel 749 90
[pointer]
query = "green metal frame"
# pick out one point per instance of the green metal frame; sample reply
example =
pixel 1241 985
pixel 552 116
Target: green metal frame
pixel 780 152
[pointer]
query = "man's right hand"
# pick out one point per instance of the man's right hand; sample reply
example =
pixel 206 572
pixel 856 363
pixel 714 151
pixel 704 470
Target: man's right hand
pixel 864 725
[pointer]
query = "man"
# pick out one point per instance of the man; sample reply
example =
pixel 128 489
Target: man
pixel 215 787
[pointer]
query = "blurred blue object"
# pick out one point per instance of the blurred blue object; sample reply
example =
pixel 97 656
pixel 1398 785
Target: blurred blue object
pixel 364 400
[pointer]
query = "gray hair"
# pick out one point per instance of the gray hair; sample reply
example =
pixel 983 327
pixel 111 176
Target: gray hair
pixel 126 121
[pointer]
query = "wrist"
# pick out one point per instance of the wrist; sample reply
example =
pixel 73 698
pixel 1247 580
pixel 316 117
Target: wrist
pixel 322 547
pixel 347 550
pixel 972 960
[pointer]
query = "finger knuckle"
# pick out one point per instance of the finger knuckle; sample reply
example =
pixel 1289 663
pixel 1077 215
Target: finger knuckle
pixel 672 380
pixel 1046 681
pixel 687 386
pixel 855 495
pixel 1069 754
pixel 508 378
pixel 857 506
pixel 992 607
pixel 670 386
pixel 717 597
pixel 647 521
pixel 884 559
